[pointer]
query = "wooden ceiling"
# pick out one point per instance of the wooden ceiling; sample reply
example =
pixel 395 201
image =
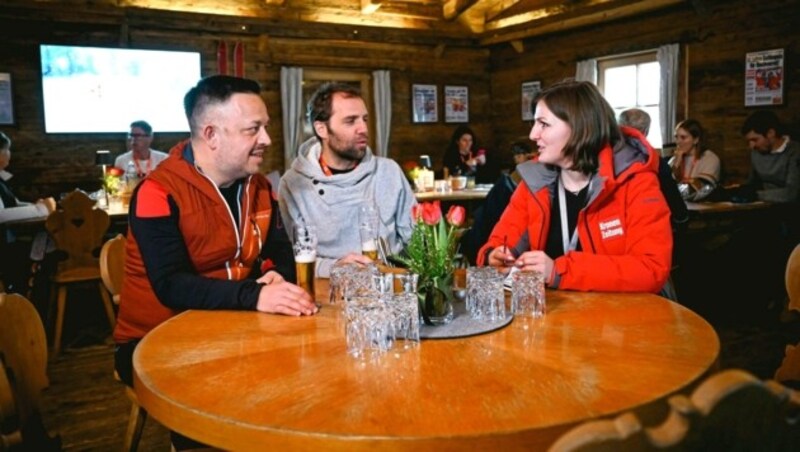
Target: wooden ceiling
pixel 487 21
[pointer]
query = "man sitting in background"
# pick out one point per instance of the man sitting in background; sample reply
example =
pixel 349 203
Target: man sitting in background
pixel 143 158
pixel 679 214
pixel 489 212
pixel 335 174
pixel 774 158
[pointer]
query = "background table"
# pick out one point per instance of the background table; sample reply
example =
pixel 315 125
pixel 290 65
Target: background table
pixel 244 380
pixel 472 194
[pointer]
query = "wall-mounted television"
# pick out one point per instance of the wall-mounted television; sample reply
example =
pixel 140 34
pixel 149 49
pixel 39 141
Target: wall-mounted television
pixel 98 90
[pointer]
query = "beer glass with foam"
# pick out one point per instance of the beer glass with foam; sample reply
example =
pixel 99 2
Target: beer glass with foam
pixel 305 256
pixel 368 222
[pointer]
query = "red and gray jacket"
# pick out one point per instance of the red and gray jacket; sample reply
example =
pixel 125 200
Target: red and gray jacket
pixel 624 229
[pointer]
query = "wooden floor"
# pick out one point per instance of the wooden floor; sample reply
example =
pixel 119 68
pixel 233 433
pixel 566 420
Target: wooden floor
pixel 89 409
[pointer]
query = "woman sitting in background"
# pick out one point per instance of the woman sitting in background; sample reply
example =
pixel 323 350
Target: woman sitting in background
pixel 589 213
pixel 695 168
pixel 462 158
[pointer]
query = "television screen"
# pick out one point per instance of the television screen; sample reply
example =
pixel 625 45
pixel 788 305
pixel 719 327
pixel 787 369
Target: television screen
pixel 95 90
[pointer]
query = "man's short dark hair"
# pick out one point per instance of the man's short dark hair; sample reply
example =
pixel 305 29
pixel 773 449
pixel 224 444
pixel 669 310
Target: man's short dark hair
pixel 521 147
pixel 144 125
pixel 761 121
pixel 320 106
pixel 212 90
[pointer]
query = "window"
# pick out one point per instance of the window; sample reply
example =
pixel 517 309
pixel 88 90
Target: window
pixel 633 81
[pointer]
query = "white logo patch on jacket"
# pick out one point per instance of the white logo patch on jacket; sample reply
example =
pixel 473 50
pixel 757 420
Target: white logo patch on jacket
pixel 611 228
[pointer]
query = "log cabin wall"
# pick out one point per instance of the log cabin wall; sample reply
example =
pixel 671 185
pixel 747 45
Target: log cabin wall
pixel 714 34
pixel 50 164
pixel 714 38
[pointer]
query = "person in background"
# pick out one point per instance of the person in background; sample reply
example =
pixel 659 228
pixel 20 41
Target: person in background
pixel 463 157
pixel 15 264
pixel 679 214
pixel 589 214
pixel 487 215
pixel 774 158
pixel 693 164
pixel 139 153
pixel 335 174
pixel 205 232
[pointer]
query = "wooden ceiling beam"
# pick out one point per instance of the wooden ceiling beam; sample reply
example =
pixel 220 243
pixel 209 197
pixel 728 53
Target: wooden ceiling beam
pixel 370 6
pixel 499 8
pixel 539 22
pixel 452 9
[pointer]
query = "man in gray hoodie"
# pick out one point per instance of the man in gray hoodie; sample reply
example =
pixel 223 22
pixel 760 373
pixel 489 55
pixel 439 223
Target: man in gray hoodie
pixel 335 174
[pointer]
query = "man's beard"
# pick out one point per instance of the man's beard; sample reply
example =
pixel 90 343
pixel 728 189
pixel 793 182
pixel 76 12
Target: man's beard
pixel 351 152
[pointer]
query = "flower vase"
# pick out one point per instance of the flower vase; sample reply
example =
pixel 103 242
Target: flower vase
pixel 436 300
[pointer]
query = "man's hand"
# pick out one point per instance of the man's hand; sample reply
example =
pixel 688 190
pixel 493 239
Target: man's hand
pixel 270 277
pixel 355 258
pixel 285 298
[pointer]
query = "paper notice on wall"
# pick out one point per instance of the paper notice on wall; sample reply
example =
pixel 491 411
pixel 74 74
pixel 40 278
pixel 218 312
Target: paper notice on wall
pixel 763 78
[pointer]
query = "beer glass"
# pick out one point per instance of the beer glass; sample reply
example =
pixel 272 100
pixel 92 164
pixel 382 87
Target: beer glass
pixel 305 256
pixel 368 222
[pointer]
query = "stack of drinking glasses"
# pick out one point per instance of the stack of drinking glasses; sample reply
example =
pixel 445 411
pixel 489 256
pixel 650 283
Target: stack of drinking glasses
pixel 485 298
pixel 376 316
pixel 527 294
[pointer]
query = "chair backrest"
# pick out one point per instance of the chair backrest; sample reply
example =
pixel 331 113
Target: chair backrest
pixel 77 229
pixel 23 348
pixel 112 265
pixel 793 279
pixel 731 410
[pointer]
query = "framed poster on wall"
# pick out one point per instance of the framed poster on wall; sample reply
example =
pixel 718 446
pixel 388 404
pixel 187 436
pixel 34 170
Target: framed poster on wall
pixel 424 104
pixel 6 99
pixel 529 92
pixel 456 104
pixel 763 78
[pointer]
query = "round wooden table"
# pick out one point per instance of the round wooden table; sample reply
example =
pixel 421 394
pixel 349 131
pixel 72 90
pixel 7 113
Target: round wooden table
pixel 244 380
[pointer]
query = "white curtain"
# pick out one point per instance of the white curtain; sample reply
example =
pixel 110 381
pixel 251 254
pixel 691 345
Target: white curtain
pixel 668 59
pixel 292 104
pixel 382 87
pixel 586 71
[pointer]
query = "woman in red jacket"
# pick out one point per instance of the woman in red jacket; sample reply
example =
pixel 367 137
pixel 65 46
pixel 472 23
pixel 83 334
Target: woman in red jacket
pixel 590 214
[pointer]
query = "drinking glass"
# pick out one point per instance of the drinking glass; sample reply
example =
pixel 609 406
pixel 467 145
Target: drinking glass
pixel 527 294
pixel 305 256
pixel 485 297
pixel 368 325
pixel 368 224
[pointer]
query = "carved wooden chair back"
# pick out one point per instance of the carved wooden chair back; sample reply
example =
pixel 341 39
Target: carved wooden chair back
pixel 731 410
pixel 77 229
pixel 112 265
pixel 23 353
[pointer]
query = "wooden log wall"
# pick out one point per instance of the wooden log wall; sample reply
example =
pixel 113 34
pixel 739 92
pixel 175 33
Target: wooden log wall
pixel 714 38
pixel 50 164
pixel 714 35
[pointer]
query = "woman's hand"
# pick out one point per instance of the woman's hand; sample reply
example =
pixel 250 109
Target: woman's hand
pixel 536 261
pixel 502 258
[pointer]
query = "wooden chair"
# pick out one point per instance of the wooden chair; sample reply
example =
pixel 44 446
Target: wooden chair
pixel 731 410
pixel 23 364
pixel 789 370
pixel 77 230
pixel 112 270
pixel 112 265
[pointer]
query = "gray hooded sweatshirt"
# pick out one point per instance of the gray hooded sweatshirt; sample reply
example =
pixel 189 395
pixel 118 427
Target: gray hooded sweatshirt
pixel 331 203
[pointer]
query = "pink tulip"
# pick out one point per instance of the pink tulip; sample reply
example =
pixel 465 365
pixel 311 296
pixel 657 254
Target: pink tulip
pixel 456 215
pixel 431 212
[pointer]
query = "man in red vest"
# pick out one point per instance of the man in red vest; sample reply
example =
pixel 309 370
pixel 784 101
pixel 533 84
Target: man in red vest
pixel 204 230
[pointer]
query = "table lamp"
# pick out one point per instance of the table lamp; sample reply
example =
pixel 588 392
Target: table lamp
pixel 104 158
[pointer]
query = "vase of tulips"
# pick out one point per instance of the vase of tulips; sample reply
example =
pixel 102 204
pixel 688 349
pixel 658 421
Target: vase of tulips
pixel 430 254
